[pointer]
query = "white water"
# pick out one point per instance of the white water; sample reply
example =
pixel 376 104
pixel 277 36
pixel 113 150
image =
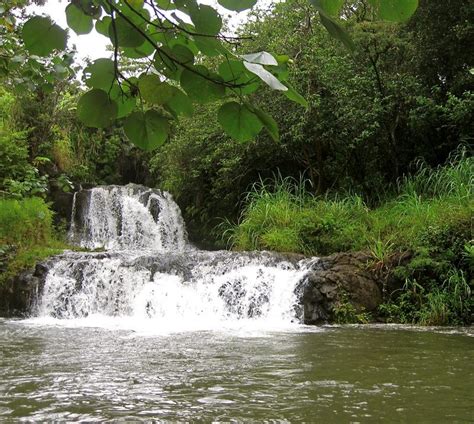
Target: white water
pixel 119 217
pixel 138 286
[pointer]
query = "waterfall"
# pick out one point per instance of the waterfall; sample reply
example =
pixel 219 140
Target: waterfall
pixel 150 277
pixel 128 217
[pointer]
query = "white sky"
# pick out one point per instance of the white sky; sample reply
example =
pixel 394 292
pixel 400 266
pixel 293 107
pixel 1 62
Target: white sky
pixel 93 45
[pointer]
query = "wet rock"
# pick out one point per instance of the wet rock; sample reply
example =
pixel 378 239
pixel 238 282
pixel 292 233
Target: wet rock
pixel 328 280
pixel 343 277
pixel 61 204
pixel 18 296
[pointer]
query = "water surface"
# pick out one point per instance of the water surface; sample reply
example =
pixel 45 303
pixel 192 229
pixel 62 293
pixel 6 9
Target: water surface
pixel 330 374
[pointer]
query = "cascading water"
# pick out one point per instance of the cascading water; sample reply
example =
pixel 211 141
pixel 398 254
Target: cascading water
pixel 130 217
pixel 150 278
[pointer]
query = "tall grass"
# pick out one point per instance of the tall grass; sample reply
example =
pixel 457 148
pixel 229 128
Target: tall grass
pixel 429 215
pixel 455 179
pixel 281 214
pixel 25 222
pixel 26 235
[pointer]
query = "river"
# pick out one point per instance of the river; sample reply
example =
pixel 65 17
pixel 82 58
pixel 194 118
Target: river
pixel 312 374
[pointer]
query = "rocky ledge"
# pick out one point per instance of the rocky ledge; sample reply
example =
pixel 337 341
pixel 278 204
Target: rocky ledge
pixel 340 279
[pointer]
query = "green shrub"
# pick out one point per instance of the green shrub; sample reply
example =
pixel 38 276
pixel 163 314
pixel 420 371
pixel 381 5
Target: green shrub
pixel 25 222
pixel 282 216
pixel 26 235
pixel 345 312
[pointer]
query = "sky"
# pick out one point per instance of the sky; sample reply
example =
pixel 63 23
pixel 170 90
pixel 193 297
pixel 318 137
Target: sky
pixel 93 45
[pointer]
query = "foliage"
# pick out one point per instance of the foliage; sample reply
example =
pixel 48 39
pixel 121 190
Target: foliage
pixel 18 177
pixel 345 312
pixel 172 44
pixel 25 222
pixel 368 116
pixel 430 216
pixel 448 303
pixel 323 225
pixel 444 38
pixel 26 235
pixel 281 215
pixel 23 70
pixel 43 146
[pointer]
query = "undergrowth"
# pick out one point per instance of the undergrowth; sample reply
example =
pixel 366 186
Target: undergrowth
pixel 429 215
pixel 26 235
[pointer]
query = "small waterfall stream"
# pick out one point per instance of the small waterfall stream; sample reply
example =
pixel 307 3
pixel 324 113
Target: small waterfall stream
pixel 147 277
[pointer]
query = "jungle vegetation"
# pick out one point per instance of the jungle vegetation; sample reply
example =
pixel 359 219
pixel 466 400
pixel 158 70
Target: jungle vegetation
pixel 369 148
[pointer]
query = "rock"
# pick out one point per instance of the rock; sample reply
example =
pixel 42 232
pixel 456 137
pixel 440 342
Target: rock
pixel 19 295
pixel 343 277
pixel 61 204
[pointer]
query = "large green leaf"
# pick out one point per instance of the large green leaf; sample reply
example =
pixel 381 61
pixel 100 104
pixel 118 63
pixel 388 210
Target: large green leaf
pixel 135 4
pixel 146 130
pixel 124 34
pixel 337 31
pixel 182 54
pixel 165 63
pixel 168 61
pixel 41 36
pixel 331 7
pixel 269 123
pixel 294 96
pixel 125 104
pixel 200 86
pixel 209 46
pixel 267 77
pixel 90 8
pixel 77 20
pixel 239 122
pixel 102 25
pixel 95 109
pixel 145 50
pixel 234 72
pixel 165 4
pixel 100 74
pixel 237 5
pixel 179 103
pixel 153 90
pixel 394 10
pixel 206 20
pixel 124 99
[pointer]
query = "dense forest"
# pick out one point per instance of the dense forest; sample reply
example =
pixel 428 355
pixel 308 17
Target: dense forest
pixel 374 154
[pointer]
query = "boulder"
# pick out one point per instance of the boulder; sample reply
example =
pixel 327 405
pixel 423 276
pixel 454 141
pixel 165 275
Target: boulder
pixel 18 296
pixel 336 279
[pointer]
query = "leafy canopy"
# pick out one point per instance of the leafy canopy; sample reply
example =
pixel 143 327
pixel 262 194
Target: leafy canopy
pixel 173 37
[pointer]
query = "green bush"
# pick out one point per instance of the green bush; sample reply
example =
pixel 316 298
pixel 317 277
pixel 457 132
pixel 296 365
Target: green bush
pixel 282 216
pixel 25 222
pixel 26 235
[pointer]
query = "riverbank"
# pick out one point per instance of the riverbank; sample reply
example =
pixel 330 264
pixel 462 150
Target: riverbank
pixel 27 236
pixel 419 239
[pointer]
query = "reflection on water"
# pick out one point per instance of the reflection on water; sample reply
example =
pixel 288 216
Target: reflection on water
pixel 335 375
